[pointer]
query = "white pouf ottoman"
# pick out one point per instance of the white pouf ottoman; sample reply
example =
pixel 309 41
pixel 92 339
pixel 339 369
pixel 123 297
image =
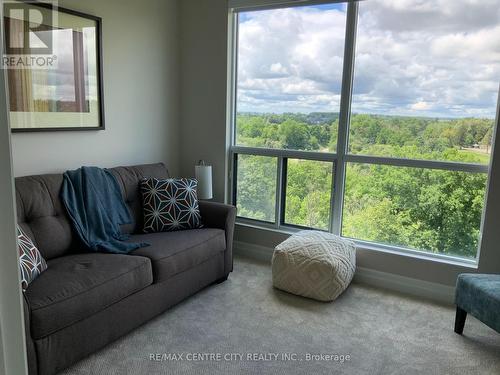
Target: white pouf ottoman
pixel 314 264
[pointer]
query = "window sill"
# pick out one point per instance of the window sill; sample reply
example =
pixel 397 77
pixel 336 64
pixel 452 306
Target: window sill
pixel 471 264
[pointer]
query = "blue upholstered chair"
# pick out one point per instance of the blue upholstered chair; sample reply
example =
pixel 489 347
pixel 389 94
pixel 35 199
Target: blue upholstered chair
pixel 478 295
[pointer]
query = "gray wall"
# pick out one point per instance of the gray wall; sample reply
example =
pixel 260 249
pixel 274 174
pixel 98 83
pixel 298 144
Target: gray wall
pixel 203 113
pixel 141 97
pixel 12 343
pixel 141 94
pixel 203 88
pixel 12 358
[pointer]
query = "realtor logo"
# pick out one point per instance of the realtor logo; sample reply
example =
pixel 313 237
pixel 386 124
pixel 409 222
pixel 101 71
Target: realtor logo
pixel 29 31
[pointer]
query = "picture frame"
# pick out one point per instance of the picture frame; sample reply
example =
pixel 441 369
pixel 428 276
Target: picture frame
pixel 54 68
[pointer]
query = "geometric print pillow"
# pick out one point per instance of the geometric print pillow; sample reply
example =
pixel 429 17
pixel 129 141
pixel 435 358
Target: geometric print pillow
pixel 31 261
pixel 170 204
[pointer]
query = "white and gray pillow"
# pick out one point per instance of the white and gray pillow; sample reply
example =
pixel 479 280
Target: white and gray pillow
pixel 31 262
pixel 170 204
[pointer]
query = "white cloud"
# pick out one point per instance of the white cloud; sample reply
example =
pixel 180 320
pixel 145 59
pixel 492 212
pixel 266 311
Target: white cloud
pixel 424 57
pixel 420 106
pixel 482 45
pixel 278 69
pixel 288 57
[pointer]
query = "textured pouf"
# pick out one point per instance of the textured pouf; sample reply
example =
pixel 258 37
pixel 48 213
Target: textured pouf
pixel 314 264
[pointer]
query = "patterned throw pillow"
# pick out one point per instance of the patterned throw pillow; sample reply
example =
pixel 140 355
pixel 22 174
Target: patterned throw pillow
pixel 170 204
pixel 31 261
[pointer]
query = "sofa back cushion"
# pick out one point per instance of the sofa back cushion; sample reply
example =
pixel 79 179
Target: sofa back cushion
pixel 129 179
pixel 42 216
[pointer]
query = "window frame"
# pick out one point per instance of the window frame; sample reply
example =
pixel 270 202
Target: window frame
pixel 341 157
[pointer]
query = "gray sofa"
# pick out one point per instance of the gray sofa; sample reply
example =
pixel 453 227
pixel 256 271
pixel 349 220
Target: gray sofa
pixel 86 300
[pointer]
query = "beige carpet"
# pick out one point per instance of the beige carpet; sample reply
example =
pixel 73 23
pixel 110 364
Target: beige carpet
pixel 247 326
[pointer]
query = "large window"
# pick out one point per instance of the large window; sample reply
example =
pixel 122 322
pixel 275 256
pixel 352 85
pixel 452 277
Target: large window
pixel 371 120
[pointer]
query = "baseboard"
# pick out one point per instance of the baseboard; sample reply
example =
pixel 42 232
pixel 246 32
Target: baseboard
pixel 407 285
pixel 249 250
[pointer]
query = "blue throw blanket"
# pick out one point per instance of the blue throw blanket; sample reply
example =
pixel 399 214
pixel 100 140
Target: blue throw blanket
pixel 95 205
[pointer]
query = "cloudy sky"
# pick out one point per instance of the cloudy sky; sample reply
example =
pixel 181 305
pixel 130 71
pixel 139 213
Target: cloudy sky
pixel 413 57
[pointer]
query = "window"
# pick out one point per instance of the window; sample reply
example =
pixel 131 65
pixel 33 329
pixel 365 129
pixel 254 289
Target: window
pixel 288 60
pixel 428 91
pixel 308 193
pixel 256 189
pixel 425 209
pixel 372 120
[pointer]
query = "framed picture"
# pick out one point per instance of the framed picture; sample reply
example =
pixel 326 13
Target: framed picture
pixel 53 58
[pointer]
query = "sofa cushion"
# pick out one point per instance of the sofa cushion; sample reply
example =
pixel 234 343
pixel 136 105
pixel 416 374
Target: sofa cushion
pixel 31 262
pixel 170 204
pixel 128 179
pixel 76 286
pixel 175 252
pixel 42 216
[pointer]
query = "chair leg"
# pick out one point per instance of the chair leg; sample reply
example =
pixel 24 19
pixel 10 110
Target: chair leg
pixel 460 320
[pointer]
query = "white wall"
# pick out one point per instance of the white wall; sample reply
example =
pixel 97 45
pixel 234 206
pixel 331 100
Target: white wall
pixel 141 94
pixel 203 83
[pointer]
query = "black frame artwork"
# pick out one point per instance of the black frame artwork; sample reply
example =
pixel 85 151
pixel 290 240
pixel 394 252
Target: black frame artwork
pixel 80 75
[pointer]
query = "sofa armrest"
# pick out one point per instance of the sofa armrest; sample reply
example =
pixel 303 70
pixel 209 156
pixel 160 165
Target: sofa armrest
pixel 30 345
pixel 221 216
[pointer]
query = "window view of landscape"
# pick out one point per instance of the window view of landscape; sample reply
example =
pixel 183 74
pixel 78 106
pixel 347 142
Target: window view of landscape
pixel 308 192
pixel 465 140
pixel 256 190
pixel 293 131
pixel 429 68
pixel 432 210
pixel 427 92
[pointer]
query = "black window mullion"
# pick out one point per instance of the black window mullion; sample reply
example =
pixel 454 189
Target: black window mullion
pixel 234 185
pixel 284 178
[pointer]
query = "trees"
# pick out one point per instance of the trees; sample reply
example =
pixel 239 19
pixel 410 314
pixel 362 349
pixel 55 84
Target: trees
pixel 308 191
pixel 294 135
pixel 486 141
pixel 256 187
pixel 433 210
pixel 438 211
